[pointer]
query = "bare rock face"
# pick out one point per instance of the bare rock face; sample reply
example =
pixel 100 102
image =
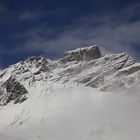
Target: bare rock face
pixel 80 54
pixel 12 91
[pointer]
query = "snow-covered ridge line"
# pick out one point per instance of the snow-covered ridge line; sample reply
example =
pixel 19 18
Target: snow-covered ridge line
pixel 87 66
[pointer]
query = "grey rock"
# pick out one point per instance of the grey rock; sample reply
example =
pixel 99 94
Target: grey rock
pixel 15 91
pixel 80 54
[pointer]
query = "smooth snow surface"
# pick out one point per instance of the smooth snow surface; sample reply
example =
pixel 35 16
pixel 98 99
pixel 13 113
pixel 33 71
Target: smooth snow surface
pixel 71 112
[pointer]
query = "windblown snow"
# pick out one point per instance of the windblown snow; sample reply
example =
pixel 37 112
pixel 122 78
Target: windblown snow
pixel 72 98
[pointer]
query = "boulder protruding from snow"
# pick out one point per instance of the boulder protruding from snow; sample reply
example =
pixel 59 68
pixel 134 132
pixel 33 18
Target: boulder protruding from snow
pixel 89 53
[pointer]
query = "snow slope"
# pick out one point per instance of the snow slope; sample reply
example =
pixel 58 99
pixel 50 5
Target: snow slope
pixel 71 112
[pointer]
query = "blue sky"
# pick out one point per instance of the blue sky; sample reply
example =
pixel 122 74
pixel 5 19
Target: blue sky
pixel 50 27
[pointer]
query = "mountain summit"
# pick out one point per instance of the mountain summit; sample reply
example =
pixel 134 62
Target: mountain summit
pixel 90 53
pixel 113 72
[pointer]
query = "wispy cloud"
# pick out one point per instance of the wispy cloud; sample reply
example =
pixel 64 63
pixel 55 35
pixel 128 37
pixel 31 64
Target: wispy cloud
pixel 2 8
pixel 28 15
pixel 113 33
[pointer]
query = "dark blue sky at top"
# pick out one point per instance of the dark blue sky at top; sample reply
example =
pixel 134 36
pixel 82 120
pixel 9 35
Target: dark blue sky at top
pixel 50 27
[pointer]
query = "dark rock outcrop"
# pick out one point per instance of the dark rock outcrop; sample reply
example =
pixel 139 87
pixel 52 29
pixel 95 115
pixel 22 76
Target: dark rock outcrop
pixel 14 91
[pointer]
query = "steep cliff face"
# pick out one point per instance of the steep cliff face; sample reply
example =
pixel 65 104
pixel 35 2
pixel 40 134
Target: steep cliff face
pixel 87 66
pixel 90 53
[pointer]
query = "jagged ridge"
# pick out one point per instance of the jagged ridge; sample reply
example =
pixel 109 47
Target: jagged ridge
pixel 81 66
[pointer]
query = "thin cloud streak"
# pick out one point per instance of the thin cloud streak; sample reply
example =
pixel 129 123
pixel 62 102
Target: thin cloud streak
pixel 113 33
pixel 108 36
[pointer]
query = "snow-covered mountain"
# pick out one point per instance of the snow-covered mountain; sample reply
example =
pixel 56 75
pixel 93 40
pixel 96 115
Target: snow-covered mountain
pixel 82 96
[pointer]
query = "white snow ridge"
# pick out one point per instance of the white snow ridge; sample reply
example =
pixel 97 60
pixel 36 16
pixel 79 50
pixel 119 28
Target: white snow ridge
pixel 82 96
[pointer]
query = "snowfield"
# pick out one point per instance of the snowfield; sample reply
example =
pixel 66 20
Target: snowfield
pixel 71 112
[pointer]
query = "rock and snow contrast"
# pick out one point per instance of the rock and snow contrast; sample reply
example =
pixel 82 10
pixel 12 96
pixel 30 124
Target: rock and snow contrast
pixel 83 96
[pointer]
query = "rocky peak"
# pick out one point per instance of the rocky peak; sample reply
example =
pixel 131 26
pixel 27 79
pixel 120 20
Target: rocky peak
pixel 38 62
pixel 88 53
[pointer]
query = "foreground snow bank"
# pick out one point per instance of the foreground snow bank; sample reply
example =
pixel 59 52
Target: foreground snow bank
pixel 67 112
